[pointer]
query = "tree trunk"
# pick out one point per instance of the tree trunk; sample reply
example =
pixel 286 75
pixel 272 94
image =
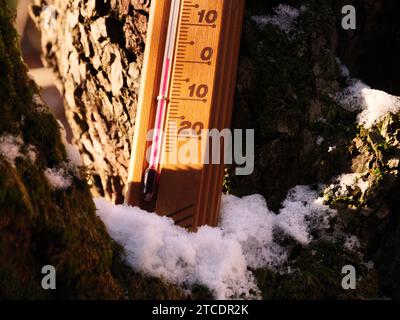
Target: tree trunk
pixel 96 49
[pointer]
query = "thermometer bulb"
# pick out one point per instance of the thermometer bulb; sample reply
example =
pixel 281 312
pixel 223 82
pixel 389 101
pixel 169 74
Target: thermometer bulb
pixel 150 184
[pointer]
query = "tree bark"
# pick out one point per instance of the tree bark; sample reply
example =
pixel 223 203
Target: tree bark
pixel 96 49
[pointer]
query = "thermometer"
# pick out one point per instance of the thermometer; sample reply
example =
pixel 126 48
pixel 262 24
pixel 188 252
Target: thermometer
pixel 188 85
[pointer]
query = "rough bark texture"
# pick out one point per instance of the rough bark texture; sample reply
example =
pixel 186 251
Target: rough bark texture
pixel 284 92
pixel 96 49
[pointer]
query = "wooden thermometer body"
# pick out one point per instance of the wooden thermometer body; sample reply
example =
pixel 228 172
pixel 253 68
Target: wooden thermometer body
pixel 199 78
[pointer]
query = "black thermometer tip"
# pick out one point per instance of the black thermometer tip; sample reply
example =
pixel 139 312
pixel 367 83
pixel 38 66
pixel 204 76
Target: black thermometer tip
pixel 150 184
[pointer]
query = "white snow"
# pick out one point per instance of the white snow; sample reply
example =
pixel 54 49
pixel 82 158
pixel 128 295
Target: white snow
pixel 284 18
pixel 373 104
pixel 10 147
pixel 215 257
pixel 362 184
pixel 332 148
pixel 58 179
pixel 249 222
pixel 353 180
pixel 350 180
pixel 352 243
pixel 156 246
pixel 303 210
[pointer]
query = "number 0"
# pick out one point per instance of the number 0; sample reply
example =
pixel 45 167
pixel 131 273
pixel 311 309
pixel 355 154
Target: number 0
pixel 206 54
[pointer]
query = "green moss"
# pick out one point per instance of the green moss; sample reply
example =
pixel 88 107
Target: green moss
pixel 316 275
pixel 42 131
pixel 12 286
pixel 227 184
pixel 285 94
pixel 16 93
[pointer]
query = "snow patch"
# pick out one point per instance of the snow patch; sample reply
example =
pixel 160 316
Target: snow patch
pixel 302 211
pixel 250 223
pixel 10 147
pixel 284 18
pixel 58 179
pixel 156 246
pixel 351 243
pixel 373 104
pixel 347 182
pixel 216 257
pixel 332 149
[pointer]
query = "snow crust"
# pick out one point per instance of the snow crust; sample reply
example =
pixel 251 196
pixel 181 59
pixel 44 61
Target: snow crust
pixel 284 18
pixel 10 147
pixel 372 104
pixel 247 237
pixel 59 179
